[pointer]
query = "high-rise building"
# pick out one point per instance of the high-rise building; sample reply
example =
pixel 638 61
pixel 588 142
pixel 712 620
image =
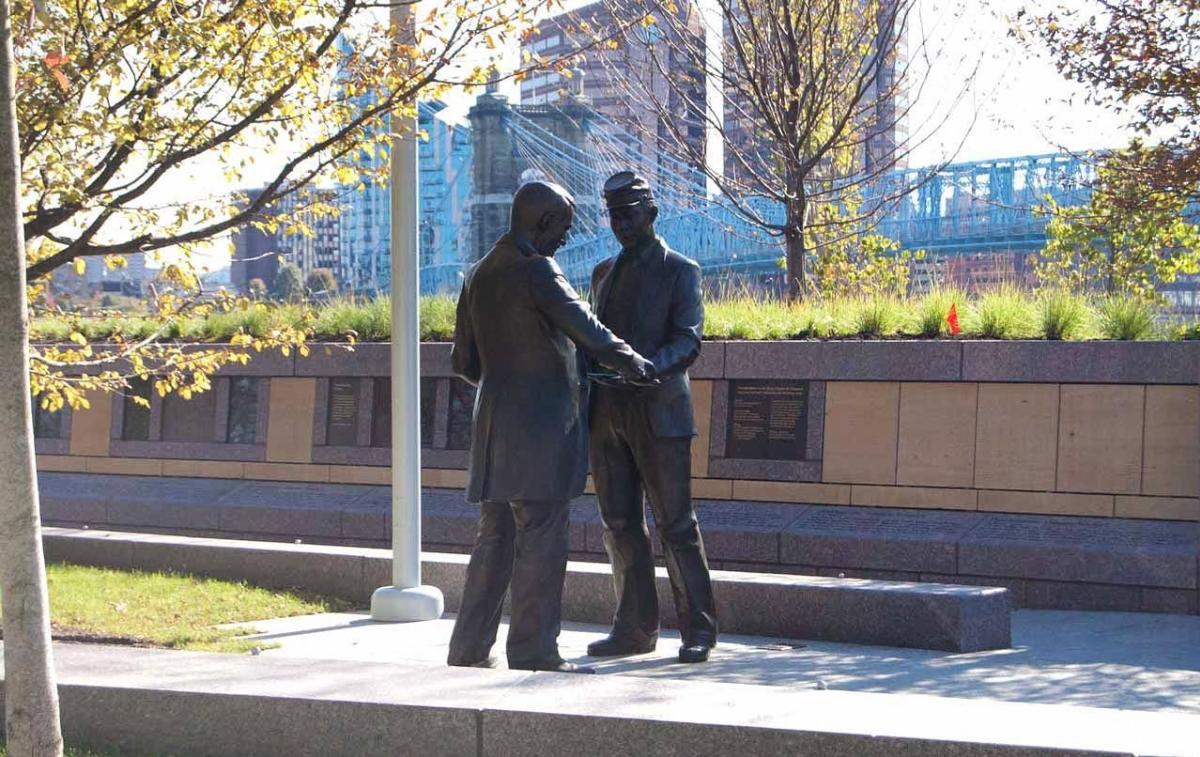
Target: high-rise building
pixel 257 253
pixel 99 278
pixel 445 179
pixel 364 231
pixel 617 81
pixel 444 185
pixel 319 249
pixel 444 165
pixel 884 104
pixel 887 143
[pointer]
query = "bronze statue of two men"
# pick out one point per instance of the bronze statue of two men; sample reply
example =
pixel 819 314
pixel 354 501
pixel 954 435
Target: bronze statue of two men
pixel 518 330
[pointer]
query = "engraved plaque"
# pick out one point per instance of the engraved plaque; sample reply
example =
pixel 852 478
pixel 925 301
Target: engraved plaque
pixel 768 420
pixel 381 415
pixel 47 424
pixel 462 407
pixel 190 420
pixel 136 419
pixel 342 424
pixel 242 427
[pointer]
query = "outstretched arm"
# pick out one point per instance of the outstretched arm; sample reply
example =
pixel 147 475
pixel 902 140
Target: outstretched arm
pixel 555 297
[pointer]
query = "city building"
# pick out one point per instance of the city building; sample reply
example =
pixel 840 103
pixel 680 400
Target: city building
pixel 321 248
pixel 615 81
pixel 444 184
pixel 444 163
pixel 257 254
pixel 98 278
pixel 882 113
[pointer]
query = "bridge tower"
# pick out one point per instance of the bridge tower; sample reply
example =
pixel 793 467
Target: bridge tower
pixel 500 166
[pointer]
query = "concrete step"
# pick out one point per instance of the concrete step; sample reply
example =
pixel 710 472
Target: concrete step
pixel 161 702
pixel 1046 562
pixel 918 615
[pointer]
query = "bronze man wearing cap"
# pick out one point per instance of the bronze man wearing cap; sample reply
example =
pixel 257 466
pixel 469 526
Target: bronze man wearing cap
pixel 518 324
pixel 641 434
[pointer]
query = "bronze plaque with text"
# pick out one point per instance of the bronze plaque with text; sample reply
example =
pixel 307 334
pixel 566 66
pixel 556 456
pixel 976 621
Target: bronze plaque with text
pixel 342 429
pixel 768 420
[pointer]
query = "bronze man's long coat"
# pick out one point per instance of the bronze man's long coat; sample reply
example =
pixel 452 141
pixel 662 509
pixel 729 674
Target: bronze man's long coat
pixel 518 324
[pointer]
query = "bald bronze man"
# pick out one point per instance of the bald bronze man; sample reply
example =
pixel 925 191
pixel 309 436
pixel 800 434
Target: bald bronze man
pixel 519 322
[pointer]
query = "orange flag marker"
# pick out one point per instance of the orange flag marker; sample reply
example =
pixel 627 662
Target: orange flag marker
pixel 952 319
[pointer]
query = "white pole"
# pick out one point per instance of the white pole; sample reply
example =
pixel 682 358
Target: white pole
pixel 406 599
pixel 714 94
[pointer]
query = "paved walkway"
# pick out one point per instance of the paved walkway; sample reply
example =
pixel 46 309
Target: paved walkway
pixel 1108 660
pixel 151 701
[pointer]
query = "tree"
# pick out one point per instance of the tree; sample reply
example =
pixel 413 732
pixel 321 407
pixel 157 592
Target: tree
pixel 1125 240
pixel 119 101
pixel 30 697
pixel 321 283
pixel 811 93
pixel 256 288
pixel 288 285
pixel 147 89
pixel 104 106
pixel 1141 60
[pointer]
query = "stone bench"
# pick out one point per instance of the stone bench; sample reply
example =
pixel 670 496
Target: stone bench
pixel 924 616
pixel 1046 562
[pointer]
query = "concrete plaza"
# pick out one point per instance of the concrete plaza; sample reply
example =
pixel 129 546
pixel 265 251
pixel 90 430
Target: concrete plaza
pixel 1073 684
pixel 1126 661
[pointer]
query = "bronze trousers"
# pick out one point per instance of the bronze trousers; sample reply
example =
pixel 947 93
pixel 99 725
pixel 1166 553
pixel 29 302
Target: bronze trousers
pixel 629 465
pixel 525 544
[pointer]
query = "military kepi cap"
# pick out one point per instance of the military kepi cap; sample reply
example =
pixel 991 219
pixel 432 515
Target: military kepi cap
pixel 626 188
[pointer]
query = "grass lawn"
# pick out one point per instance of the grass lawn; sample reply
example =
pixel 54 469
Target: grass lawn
pixel 165 610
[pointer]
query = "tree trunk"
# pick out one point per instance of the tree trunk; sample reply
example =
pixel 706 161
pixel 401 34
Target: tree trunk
pixel 796 252
pixel 31 700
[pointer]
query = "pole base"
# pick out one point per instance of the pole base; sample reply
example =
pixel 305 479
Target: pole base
pixel 391 604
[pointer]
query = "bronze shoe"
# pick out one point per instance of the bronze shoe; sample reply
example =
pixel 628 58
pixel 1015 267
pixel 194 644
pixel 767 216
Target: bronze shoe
pixel 616 646
pixel 694 653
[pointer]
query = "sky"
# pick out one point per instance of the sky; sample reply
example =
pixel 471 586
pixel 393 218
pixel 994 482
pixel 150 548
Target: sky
pixel 1016 104
pixel 1020 104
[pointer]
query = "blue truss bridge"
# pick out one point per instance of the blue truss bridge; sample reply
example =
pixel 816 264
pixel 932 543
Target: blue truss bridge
pixel 963 208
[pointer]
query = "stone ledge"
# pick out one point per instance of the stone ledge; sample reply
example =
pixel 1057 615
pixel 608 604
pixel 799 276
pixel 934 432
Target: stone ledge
pixel 845 360
pixel 918 615
pixel 878 542
pixel 154 701
pixel 1082 362
pixel 1008 361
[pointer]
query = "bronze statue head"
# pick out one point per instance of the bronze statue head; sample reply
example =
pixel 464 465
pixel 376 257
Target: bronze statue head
pixel 631 208
pixel 542 214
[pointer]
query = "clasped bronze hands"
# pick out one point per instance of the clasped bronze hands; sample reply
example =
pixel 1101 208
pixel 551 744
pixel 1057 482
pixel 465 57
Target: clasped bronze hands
pixel 606 378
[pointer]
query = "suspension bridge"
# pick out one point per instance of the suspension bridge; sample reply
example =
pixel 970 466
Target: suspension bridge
pixel 957 209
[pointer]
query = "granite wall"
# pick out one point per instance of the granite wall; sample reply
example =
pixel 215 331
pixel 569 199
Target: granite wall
pixel 1102 429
